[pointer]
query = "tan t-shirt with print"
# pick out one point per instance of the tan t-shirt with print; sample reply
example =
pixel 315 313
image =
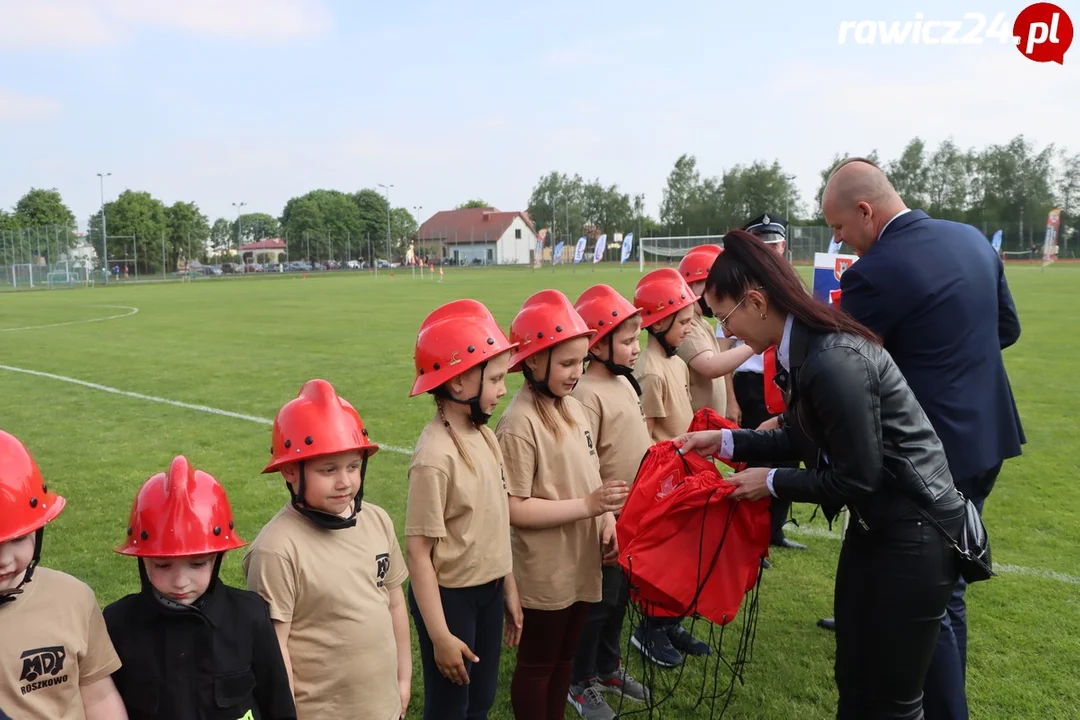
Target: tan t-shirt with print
pixel 466 511
pixel 618 424
pixel 334 587
pixel 52 641
pixel 704 391
pixel 665 391
pixel 554 567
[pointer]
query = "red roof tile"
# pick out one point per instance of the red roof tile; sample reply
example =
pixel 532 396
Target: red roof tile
pixel 267 244
pixel 470 225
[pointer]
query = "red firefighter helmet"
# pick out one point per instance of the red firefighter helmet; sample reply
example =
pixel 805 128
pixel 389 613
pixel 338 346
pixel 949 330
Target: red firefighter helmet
pixel 179 513
pixel 603 309
pixel 453 339
pixel 660 294
pixel 26 504
pixel 697 262
pixel 546 319
pixel 316 423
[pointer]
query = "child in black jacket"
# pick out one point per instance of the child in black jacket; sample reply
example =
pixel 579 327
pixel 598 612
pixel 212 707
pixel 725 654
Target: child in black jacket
pixel 192 647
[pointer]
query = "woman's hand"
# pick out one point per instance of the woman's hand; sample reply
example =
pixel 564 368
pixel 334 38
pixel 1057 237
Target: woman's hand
pixel 751 484
pixel 705 442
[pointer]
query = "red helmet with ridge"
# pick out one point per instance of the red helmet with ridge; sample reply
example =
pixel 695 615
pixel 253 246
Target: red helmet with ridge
pixel 316 423
pixel 546 319
pixel 697 262
pixel 454 339
pixel 180 513
pixel 660 294
pixel 26 504
pixel 603 309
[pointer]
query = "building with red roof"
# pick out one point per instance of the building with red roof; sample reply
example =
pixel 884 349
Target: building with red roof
pixel 477 236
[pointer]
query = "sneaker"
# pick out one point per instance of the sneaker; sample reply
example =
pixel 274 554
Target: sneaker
pixel 589 703
pixel 684 641
pixel 622 683
pixel 654 644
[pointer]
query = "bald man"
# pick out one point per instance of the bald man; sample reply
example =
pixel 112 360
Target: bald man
pixel 936 292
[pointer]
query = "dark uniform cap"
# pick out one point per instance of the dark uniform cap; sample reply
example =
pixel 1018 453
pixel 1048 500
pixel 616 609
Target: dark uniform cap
pixel 768 224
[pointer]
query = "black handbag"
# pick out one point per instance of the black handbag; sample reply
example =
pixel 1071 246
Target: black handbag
pixel 973 545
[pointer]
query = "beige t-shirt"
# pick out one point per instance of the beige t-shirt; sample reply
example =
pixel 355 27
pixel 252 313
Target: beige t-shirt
pixel 704 391
pixel 618 424
pixel 665 391
pixel 334 587
pixel 554 567
pixel 466 511
pixel 52 641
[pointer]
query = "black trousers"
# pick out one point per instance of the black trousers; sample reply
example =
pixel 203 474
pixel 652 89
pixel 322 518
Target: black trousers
pixel 475 616
pixel 599 652
pixel 893 584
pixel 750 394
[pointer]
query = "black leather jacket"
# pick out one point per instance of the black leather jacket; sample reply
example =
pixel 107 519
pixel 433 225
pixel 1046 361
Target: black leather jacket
pixel 855 423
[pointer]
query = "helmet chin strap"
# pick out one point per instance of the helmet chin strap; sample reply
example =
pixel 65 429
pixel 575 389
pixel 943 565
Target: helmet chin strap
pixel 28 574
pixel 616 369
pixel 325 520
pixel 476 412
pixel 660 337
pixel 541 387
pixel 705 309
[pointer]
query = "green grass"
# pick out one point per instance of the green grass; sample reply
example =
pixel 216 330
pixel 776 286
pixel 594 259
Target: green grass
pixel 247 345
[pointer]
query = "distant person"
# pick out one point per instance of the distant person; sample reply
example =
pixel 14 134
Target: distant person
pixel 937 293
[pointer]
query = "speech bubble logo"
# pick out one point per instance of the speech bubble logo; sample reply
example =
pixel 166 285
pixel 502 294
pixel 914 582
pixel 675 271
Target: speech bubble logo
pixel 1043 33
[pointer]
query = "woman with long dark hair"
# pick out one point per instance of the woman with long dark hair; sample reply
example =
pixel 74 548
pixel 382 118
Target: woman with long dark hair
pixel 867 444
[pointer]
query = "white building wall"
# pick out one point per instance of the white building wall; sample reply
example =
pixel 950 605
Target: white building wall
pixel 514 250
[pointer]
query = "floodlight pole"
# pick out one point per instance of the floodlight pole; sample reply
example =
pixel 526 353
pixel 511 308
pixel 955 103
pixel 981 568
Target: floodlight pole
pixel 387 189
pixel 104 235
pixel 239 247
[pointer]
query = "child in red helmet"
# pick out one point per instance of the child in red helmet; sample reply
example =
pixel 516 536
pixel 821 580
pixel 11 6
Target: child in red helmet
pixel 56 659
pixel 710 359
pixel 331 568
pixel 457 520
pixel 192 647
pixel 667 306
pixel 560 509
pixel 610 395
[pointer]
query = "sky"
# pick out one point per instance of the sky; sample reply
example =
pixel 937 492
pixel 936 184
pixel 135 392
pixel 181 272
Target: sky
pixel 256 101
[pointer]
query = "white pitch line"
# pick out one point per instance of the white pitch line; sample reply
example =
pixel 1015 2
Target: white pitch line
pixel 999 567
pixel 165 401
pixel 132 311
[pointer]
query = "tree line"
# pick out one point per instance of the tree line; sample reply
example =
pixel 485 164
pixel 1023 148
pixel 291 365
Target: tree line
pixel 1009 186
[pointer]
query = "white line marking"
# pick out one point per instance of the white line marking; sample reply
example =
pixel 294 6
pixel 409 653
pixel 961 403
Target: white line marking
pixel 132 311
pixel 809 531
pixel 165 401
pixel 999 567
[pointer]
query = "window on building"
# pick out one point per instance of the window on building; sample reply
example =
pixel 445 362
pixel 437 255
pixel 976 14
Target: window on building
pixel 517 233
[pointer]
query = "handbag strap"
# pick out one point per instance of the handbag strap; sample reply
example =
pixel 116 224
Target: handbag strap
pixel 943 531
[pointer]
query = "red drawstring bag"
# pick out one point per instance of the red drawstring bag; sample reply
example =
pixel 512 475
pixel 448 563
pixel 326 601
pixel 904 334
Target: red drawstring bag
pixel 708 419
pixel 686 547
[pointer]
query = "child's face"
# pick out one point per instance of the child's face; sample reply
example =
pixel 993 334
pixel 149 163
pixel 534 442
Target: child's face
pixel 494 388
pixel 331 481
pixel 681 327
pixel 181 579
pixel 15 556
pixel 625 342
pixel 567 360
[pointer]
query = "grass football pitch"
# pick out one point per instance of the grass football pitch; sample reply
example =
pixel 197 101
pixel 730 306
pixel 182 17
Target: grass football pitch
pixel 247 345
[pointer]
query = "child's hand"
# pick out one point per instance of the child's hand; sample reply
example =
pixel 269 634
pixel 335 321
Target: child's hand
pixel 450 656
pixel 609 497
pixel 609 544
pixel 515 619
pixel 405 688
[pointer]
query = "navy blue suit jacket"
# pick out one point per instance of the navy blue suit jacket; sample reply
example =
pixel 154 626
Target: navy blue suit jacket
pixel 936 292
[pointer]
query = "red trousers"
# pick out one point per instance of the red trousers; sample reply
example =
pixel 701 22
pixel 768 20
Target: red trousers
pixel 545 659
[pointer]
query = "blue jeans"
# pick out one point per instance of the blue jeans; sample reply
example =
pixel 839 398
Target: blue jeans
pixel 944 696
